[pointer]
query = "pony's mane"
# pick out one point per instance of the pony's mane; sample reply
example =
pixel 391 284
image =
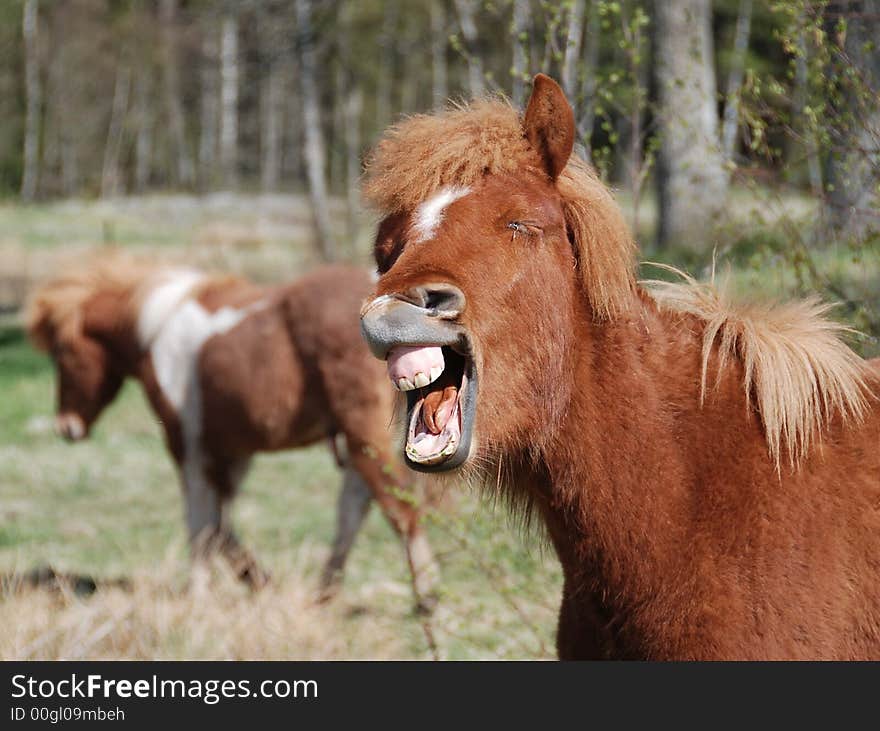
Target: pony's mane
pixel 460 145
pixel 55 307
pixel 798 373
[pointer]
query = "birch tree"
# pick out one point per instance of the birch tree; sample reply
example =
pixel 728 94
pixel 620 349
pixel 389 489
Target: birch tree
pixel 467 12
pixel 735 78
pixel 692 182
pixel 33 101
pixel 385 69
pixel 314 148
pixel 439 40
pixel 271 104
pixel 572 52
pixel 586 104
pixel 110 177
pixel 853 177
pixel 520 40
pixel 229 98
pixel 209 106
pixel 183 165
pixel 143 146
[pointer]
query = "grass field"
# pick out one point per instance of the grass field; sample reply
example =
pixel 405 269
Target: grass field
pixel 110 507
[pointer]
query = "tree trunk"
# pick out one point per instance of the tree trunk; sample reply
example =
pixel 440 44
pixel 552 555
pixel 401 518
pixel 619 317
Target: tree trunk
pixel 314 138
pixel 386 64
pixel 292 162
pixel 183 167
pixel 408 47
pixel 735 79
pixel 692 182
pixel 586 117
pixel 467 10
pixel 520 32
pixel 270 139
pixel 808 143
pixel 336 151
pixel 30 30
pixel 209 111
pixel 439 40
pixel 229 100
pixel 353 108
pixel 573 51
pixel 853 180
pixel 143 146
pixel 119 109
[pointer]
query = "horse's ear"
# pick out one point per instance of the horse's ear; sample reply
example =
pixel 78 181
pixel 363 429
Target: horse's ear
pixel 549 124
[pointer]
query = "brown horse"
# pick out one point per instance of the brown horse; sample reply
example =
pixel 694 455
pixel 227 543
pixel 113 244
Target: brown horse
pixel 232 369
pixel 709 475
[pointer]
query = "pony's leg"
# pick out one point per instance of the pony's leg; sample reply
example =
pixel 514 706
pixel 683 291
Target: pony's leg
pixel 386 480
pixel 351 509
pixel 209 491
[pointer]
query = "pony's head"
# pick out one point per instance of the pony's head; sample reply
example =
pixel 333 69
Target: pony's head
pixel 494 242
pixel 76 319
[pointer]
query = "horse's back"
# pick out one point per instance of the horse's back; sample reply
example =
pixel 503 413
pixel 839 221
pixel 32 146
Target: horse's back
pixel 323 314
pixel 274 380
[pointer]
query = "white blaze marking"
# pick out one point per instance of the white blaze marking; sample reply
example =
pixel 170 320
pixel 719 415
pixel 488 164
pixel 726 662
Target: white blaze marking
pixel 429 214
pixel 174 329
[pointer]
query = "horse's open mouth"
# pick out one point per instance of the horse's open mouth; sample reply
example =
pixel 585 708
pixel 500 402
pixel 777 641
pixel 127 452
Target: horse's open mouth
pixel 440 386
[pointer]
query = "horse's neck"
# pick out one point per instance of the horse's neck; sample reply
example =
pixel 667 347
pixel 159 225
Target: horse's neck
pixel 619 481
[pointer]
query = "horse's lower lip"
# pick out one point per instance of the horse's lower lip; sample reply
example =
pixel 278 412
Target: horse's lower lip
pixel 451 456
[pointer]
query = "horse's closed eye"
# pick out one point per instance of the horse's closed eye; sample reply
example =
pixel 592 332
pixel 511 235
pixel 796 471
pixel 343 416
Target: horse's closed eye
pixel 524 228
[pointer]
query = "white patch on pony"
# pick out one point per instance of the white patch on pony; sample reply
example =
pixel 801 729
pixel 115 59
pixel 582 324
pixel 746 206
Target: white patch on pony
pixel 175 329
pixel 429 214
pixel 162 302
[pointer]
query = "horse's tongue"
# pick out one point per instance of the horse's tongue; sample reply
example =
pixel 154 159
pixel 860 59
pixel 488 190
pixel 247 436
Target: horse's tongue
pixel 438 407
pixel 416 366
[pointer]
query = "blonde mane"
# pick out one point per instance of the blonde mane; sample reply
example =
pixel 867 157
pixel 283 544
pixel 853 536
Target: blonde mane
pixel 461 145
pixel 797 370
pixel 54 309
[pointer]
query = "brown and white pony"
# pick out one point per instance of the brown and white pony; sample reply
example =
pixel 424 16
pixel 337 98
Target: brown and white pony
pixel 709 475
pixel 231 369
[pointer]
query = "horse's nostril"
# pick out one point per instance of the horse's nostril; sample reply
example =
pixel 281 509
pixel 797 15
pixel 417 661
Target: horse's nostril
pixel 442 299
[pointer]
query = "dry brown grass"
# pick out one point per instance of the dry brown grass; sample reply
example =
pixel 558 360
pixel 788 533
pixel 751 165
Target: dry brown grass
pixel 211 618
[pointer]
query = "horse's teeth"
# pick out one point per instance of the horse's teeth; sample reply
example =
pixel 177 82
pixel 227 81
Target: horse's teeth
pixel 435 373
pixel 421 380
pixel 404 384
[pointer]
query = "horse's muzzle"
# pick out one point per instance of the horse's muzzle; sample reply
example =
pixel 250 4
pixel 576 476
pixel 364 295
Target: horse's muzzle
pixel 70 427
pixel 413 331
pixel 425 315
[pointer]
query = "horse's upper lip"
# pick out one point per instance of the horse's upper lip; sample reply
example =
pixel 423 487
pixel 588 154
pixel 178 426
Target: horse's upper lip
pixel 389 321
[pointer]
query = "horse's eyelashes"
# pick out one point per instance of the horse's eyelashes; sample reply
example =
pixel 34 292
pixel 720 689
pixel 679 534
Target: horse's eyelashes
pixel 524 227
